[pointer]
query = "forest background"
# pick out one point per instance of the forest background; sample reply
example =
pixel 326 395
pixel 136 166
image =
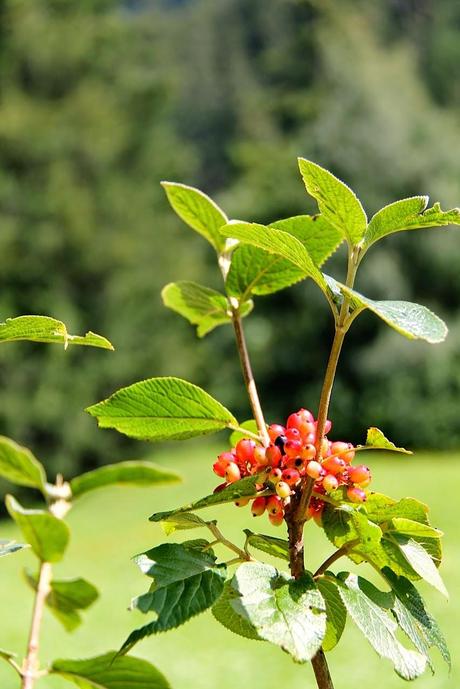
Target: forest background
pixel 100 100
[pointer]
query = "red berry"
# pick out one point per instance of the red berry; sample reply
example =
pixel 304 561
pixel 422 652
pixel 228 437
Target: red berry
pixel 220 487
pixel 291 476
pixel 359 474
pixel 219 468
pixel 293 434
pixel 245 450
pixel 258 506
pixel 355 494
pixel 330 483
pixel 327 426
pixel 273 455
pixel 283 489
pixel 275 430
pixel 333 465
pixel 308 452
pixel 232 473
pixel 276 519
pixel 274 504
pixel 314 469
pixel 293 448
pixel 275 475
pixel 294 421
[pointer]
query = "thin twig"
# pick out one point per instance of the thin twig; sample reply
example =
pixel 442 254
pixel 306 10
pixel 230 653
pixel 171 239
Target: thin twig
pixel 212 526
pixel 341 552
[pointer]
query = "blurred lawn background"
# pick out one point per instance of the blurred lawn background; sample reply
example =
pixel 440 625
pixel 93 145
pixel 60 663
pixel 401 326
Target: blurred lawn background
pixel 110 526
pixel 99 101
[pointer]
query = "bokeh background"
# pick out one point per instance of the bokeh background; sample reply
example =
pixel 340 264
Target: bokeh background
pixel 102 99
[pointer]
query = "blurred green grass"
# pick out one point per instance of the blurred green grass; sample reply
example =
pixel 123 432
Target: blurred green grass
pixel 110 526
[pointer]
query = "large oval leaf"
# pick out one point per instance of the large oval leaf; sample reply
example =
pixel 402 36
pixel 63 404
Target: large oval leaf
pixel 162 409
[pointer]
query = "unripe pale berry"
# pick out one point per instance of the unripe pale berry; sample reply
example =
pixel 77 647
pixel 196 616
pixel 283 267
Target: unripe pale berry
pixel 325 448
pixel 308 452
pixel 242 502
pixel 359 474
pixel 258 506
pixel 306 415
pixel 260 456
pixel 356 494
pixel 330 483
pixel 314 469
pixel 245 450
pixel 275 430
pixel 327 426
pixel 232 473
pixel 344 450
pixel 276 519
pixel 283 489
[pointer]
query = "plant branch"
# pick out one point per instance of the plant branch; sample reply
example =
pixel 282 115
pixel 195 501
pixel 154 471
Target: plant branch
pixel 219 536
pixel 321 670
pixel 30 668
pixel 341 552
pixel 249 376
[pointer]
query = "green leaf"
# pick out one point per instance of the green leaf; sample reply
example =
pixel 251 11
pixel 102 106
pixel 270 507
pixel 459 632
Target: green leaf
pixel 9 658
pixel 420 560
pixel 198 211
pixel 410 527
pixel 345 525
pixel 276 242
pixel 110 671
pixel 377 626
pixel 162 409
pixel 186 582
pixel 375 439
pixel 249 425
pixel 287 612
pixel 47 534
pixel 18 465
pixel 66 598
pixel 245 488
pixel 337 202
pixel 9 547
pixel 201 306
pixel 412 616
pixel 380 508
pixel 254 271
pixel 46 329
pixel 336 613
pixel 225 614
pixel 411 320
pixel 277 547
pixel 137 473
pixel 408 214
pixel 182 522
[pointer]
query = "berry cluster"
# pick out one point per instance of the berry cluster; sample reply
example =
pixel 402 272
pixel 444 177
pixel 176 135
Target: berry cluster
pixel 290 458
